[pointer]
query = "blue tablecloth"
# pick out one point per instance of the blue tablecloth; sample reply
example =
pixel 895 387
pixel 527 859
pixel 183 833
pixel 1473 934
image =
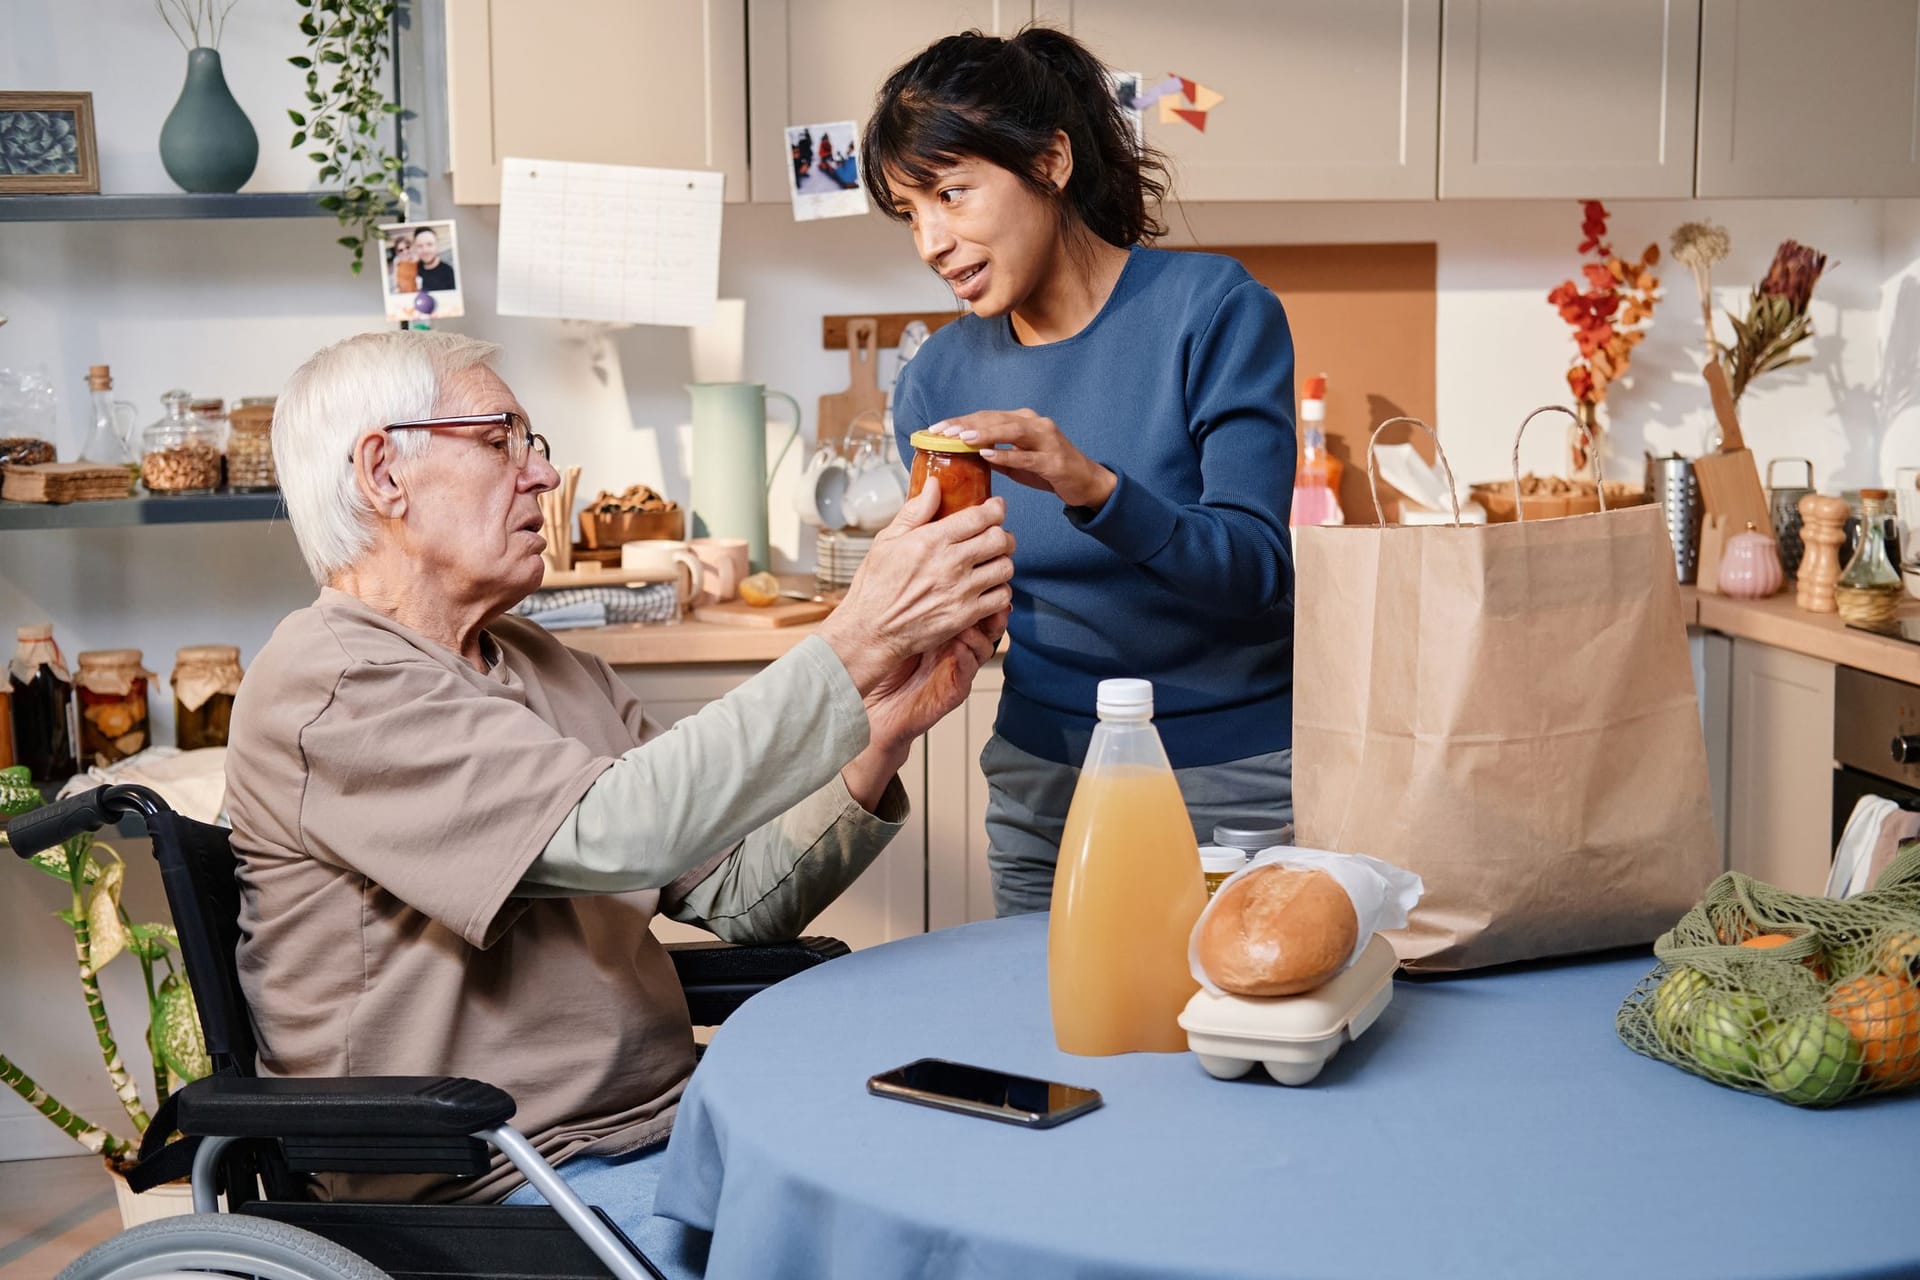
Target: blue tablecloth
pixel 1486 1126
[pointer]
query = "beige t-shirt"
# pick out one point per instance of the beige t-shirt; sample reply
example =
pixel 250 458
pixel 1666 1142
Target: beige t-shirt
pixel 387 799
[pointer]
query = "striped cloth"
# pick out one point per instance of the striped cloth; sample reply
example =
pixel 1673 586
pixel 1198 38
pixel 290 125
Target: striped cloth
pixel 654 602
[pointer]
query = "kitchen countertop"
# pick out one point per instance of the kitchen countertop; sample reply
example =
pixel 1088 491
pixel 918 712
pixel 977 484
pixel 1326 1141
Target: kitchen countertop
pixel 1776 621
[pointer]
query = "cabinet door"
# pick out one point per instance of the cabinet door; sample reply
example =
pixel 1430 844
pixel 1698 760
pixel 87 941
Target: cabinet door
pixel 645 82
pixel 1323 99
pixel 1809 98
pixel 959 883
pixel 1568 100
pixel 1780 789
pixel 818 61
pixel 889 900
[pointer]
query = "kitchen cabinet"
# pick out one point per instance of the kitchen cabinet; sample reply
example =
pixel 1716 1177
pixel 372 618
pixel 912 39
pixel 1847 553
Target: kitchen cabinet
pixel 1324 99
pixel 1568 100
pixel 818 61
pixel 1780 767
pixel 1712 657
pixel 888 901
pixel 645 82
pixel 1809 98
pixel 959 883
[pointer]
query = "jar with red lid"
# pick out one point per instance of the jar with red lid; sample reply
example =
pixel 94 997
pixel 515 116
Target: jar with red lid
pixel 966 478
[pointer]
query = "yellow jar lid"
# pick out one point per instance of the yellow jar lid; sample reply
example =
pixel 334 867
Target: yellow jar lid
pixel 929 442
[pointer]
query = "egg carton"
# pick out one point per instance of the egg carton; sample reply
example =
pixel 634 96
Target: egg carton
pixel 1293 1037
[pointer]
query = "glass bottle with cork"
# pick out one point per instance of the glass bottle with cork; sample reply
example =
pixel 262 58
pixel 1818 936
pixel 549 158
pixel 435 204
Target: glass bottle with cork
pixel 110 435
pixel 42 705
pixel 1868 589
pixel 205 679
pixel 111 685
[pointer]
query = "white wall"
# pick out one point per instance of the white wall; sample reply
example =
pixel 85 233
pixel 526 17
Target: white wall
pixel 228 308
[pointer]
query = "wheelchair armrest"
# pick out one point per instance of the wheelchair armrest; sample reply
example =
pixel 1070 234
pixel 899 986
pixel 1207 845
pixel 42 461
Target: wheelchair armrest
pixel 328 1107
pixel 719 977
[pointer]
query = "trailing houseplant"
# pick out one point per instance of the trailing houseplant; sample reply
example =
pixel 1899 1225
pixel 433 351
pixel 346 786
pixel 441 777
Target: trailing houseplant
pixel 102 932
pixel 348 113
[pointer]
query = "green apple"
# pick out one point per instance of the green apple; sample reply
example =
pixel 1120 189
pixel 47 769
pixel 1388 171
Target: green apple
pixel 1810 1059
pixel 1674 1002
pixel 1726 1031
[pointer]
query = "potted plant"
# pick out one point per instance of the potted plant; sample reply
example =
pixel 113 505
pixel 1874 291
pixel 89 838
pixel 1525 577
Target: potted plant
pixel 103 932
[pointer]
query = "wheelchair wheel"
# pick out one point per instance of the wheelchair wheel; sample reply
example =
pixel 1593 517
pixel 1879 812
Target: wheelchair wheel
pixel 187 1248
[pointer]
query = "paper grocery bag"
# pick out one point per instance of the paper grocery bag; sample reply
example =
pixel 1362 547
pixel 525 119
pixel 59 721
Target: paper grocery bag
pixel 1509 711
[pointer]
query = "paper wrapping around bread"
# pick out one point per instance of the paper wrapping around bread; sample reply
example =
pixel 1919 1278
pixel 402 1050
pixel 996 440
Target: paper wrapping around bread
pixel 1379 893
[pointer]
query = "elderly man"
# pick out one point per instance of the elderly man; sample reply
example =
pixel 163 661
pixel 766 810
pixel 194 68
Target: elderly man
pixel 454 831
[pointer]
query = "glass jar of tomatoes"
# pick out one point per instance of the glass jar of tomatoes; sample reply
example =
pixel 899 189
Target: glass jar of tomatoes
pixel 205 679
pixel 966 478
pixel 111 685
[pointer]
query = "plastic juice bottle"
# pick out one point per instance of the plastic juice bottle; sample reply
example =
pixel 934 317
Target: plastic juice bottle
pixel 1316 478
pixel 1127 892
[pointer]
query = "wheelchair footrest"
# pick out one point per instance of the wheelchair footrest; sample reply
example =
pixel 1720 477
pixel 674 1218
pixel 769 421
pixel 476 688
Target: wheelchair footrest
pixel 441 1241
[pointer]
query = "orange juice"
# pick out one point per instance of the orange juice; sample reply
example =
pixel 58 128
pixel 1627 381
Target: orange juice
pixel 1125 898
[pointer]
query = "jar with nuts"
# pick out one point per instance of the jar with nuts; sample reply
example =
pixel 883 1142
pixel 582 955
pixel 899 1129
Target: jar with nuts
pixel 111 685
pixel 180 454
pixel 250 446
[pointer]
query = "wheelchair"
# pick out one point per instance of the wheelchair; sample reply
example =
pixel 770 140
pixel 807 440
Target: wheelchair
pixel 254 1140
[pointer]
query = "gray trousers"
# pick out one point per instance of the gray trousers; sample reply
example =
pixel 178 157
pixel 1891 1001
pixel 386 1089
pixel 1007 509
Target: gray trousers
pixel 1027 800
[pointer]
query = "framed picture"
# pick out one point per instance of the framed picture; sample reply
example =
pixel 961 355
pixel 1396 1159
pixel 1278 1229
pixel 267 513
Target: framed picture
pixel 47 143
pixel 418 276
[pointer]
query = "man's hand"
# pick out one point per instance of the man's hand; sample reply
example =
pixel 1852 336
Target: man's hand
pixel 911 699
pixel 1036 453
pixel 923 582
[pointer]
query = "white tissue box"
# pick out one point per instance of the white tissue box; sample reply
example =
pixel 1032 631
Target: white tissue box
pixel 1293 1036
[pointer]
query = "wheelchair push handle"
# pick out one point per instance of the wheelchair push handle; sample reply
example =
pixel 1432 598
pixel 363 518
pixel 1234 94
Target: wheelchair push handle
pixel 45 827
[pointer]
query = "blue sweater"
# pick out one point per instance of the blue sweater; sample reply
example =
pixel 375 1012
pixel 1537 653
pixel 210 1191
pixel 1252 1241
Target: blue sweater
pixel 1182 385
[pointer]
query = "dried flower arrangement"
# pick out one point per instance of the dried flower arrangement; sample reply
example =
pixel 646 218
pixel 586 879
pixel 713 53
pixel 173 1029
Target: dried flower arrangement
pixel 1776 319
pixel 1609 317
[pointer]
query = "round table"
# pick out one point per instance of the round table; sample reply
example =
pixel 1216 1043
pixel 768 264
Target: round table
pixel 1487 1125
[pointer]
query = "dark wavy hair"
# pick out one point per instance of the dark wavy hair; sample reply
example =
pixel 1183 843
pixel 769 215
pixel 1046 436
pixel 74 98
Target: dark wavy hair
pixel 974 96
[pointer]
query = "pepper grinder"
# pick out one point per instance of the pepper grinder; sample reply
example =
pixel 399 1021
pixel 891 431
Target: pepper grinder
pixel 1823 528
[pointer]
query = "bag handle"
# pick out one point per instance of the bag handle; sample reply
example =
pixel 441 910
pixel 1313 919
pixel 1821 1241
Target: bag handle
pixel 1805 462
pixel 1519 503
pixel 1373 475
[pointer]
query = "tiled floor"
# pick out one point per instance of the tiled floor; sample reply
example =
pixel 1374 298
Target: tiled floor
pixel 51 1212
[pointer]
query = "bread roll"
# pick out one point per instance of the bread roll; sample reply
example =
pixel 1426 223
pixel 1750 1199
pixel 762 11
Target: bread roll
pixel 1278 931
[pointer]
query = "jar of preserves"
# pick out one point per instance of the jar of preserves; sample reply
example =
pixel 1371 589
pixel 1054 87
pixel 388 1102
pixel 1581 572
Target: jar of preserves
pixel 250 446
pixel 111 686
pixel 966 479
pixel 205 678
pixel 180 454
pixel 42 706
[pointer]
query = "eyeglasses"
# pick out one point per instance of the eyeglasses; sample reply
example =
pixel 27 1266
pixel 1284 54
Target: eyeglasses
pixel 521 439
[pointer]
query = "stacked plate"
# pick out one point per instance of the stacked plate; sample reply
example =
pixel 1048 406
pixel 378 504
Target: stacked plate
pixel 837 556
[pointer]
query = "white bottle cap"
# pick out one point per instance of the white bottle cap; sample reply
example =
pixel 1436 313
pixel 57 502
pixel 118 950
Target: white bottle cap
pixel 1313 411
pixel 1124 700
pixel 1214 859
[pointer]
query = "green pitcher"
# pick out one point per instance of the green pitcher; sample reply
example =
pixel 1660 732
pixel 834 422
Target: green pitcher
pixel 730 471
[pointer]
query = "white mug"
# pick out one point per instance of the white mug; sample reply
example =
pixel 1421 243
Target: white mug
pixel 820 497
pixel 726 563
pixel 875 494
pixel 673 561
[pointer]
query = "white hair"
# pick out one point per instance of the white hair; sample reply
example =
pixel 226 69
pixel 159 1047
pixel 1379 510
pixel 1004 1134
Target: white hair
pixel 366 381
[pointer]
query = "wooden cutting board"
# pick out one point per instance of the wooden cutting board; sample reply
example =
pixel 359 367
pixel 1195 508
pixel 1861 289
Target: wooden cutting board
pixel 787 613
pixel 863 393
pixel 1730 479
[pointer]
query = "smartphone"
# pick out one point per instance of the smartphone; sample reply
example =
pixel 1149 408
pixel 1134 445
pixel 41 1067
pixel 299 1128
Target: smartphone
pixel 982 1091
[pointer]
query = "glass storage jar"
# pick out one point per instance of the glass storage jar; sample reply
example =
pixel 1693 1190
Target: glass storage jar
pixel 966 479
pixel 205 678
pixel 250 446
pixel 180 454
pixel 111 685
pixel 42 690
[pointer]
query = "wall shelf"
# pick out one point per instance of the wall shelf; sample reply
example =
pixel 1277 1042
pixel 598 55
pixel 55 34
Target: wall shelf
pixel 122 513
pixel 175 204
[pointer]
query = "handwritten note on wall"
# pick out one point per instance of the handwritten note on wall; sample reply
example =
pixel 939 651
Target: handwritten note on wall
pixel 609 242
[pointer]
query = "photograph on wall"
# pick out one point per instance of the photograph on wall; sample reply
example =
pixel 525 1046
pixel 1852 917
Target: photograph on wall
pixel 824 171
pixel 420 275
pixel 47 144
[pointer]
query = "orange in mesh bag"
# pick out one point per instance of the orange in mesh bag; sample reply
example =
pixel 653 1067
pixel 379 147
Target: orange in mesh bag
pixel 1809 1000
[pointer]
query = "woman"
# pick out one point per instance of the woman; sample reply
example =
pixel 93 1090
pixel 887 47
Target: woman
pixel 1142 403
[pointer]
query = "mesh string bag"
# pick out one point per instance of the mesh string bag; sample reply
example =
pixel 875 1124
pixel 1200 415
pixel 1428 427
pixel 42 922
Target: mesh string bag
pixel 1809 1000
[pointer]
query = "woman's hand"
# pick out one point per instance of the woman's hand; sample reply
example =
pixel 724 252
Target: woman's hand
pixel 922 584
pixel 1033 450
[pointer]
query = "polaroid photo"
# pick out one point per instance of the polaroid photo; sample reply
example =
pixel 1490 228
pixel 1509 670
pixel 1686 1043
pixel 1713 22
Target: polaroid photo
pixel 1127 92
pixel 419 275
pixel 823 171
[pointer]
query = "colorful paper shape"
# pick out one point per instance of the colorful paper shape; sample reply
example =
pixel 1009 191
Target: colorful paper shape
pixel 1191 103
